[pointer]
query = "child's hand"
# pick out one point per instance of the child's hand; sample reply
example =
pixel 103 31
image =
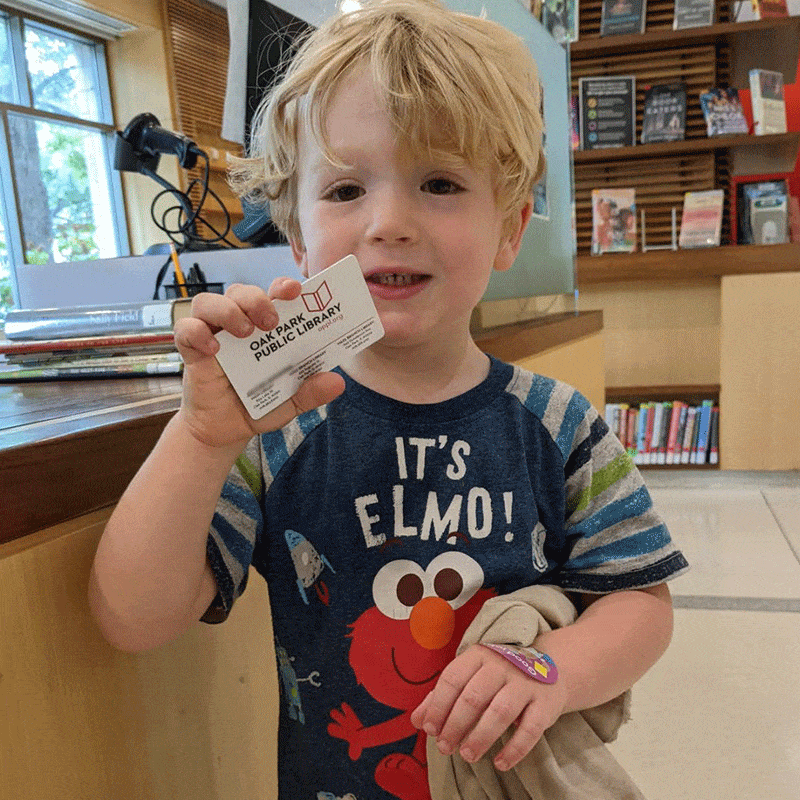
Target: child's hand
pixel 210 407
pixel 477 697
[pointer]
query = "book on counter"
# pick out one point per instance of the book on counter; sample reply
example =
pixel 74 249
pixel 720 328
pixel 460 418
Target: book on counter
pixel 89 357
pixel 769 102
pixel 607 111
pixel 561 19
pixel 613 221
pixel 618 17
pixel 701 221
pixel 95 367
pixel 664 116
pixel 28 349
pixel 693 14
pixel 723 113
pixel 794 219
pixel 153 316
pixel 765 9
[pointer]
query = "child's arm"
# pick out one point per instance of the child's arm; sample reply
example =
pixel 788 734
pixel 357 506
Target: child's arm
pixel 150 579
pixel 616 639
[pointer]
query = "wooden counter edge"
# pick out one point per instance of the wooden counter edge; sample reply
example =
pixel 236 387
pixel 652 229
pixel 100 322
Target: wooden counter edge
pixel 54 480
pixel 523 339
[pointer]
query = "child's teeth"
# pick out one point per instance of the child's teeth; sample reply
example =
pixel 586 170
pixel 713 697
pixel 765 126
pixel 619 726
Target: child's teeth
pixel 396 280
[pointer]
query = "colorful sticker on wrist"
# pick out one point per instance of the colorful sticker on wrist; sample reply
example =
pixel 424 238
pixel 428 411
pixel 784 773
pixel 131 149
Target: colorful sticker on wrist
pixel 531 661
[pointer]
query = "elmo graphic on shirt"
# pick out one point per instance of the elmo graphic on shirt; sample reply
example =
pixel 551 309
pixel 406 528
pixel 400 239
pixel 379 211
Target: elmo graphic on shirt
pixel 399 647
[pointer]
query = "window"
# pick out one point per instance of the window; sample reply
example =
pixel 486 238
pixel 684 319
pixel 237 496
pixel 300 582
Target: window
pixel 61 199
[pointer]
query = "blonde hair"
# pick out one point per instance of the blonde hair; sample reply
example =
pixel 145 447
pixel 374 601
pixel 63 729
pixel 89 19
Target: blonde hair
pixel 452 84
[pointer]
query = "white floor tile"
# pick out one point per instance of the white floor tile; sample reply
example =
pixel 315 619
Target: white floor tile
pixel 718 717
pixel 785 505
pixel 732 542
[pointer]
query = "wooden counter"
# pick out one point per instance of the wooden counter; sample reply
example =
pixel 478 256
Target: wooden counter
pixel 71 447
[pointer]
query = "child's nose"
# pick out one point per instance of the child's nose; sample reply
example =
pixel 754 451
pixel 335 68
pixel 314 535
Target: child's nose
pixel 392 217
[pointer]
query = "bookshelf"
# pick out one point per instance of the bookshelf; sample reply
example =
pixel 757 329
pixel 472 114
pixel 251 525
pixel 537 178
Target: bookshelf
pixel 719 54
pixel 692 395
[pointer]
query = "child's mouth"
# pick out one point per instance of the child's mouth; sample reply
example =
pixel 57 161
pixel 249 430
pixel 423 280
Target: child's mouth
pixel 390 285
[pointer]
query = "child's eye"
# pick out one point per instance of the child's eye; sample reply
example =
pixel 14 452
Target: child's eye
pixel 344 193
pixel 441 186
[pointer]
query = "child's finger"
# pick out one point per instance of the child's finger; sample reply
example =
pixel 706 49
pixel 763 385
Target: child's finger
pixel 469 708
pixel 419 713
pixel 315 392
pixel 448 688
pixel 194 340
pixel 255 303
pixel 505 707
pixel 284 289
pixel 530 729
pixel 222 312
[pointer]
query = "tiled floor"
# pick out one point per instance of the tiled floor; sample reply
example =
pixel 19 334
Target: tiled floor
pixel 718 718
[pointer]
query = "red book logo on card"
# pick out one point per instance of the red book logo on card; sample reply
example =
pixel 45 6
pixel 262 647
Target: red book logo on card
pixel 319 300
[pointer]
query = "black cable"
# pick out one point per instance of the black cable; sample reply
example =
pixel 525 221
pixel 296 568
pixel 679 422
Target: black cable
pixel 183 232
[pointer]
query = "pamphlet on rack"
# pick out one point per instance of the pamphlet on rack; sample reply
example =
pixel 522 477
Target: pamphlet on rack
pixel 333 319
pixel 607 111
pixel 768 101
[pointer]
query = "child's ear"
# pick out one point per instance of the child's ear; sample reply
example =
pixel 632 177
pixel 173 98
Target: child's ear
pixel 512 240
pixel 300 255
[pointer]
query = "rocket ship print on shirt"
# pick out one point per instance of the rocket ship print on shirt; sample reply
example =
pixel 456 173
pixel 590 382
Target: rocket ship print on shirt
pixel 308 564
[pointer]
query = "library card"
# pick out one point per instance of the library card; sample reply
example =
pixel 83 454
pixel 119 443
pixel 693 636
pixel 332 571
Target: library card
pixel 332 319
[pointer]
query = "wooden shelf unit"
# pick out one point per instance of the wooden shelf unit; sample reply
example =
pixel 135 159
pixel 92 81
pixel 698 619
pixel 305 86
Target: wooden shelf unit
pixel 688 265
pixel 785 145
pixel 659 35
pixel 700 58
pixel 689 393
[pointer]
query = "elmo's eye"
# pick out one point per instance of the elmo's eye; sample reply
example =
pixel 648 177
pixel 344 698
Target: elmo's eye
pixel 448 584
pixel 456 577
pixel 409 590
pixel 397 587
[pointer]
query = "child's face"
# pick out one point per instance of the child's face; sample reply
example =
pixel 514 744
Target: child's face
pixel 427 234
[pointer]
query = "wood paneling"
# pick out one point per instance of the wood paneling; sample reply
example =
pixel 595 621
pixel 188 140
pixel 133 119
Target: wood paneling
pixel 659 333
pixel 198 50
pixel 759 375
pixel 193 720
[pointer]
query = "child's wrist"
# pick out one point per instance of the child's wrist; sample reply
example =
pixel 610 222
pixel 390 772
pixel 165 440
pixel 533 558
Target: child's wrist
pixel 205 452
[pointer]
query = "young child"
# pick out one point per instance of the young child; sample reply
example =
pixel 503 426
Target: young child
pixel 388 500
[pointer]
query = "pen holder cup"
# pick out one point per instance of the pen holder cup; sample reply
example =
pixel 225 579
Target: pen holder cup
pixel 173 290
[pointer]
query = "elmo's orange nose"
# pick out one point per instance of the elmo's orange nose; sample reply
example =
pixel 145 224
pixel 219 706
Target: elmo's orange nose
pixel 432 623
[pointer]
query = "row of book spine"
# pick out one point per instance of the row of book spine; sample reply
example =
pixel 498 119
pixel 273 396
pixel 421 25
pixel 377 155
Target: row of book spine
pixel 667 432
pixel 82 342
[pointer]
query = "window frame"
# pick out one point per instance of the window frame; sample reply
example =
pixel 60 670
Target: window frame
pixel 104 125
